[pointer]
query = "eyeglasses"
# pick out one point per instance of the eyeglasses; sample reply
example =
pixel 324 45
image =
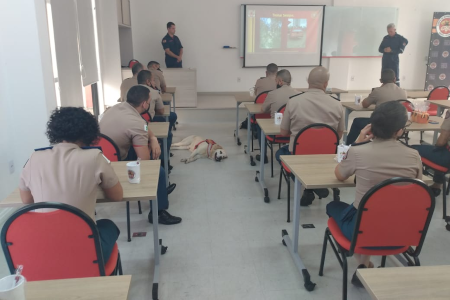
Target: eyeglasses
pixel 408 123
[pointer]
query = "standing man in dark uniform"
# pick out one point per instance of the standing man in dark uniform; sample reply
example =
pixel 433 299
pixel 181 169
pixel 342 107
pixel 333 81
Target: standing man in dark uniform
pixel 392 45
pixel 173 48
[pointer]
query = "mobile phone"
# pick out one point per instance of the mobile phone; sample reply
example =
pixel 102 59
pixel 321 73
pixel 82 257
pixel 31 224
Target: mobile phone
pixel 433 122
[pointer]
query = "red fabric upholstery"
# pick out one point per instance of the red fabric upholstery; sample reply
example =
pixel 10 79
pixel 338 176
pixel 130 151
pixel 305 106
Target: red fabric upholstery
pixel 111 264
pixel 407 105
pixel 132 63
pixel 109 149
pixel 283 165
pixel 54 245
pixel 433 165
pixel 316 140
pixel 260 100
pixel 147 117
pixel 278 139
pixel 438 93
pixel 394 215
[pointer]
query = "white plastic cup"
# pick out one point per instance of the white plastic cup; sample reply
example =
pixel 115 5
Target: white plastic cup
pixel 252 91
pixel 134 172
pixel 409 115
pixel 358 99
pixel 278 118
pixel 329 89
pixel 10 290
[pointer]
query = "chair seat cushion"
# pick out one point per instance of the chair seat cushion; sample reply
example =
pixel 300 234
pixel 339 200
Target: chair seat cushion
pixel 110 265
pixel 432 112
pixel 345 243
pixel 434 166
pixel 283 165
pixel 278 139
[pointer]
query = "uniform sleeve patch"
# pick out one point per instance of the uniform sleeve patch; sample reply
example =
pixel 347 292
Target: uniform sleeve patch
pixel 146 127
pixel 164 41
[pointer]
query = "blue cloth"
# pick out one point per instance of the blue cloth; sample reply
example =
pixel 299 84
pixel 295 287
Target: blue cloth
pixel 357 125
pixel 345 216
pixel 109 233
pixel 437 155
pixel 161 193
pixel 282 151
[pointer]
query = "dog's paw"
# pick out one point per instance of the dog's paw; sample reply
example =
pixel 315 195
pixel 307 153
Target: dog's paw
pixel 183 160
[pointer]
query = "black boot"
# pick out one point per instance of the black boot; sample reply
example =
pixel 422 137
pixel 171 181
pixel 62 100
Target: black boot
pixel 307 198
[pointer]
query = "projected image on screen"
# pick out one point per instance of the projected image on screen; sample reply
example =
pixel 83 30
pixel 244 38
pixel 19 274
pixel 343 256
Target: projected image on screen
pixel 270 33
pixel 296 33
pixel 285 35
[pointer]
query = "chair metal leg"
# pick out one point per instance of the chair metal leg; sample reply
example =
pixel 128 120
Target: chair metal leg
pixel 324 252
pixel 383 261
pixel 417 261
pixel 279 184
pixel 444 200
pixel 288 199
pixel 345 276
pixel 119 265
pixel 251 125
pixel 140 209
pixel 128 221
pixel 271 159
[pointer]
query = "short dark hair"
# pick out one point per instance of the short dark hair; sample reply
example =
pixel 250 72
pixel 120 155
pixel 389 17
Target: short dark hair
pixel 387 119
pixel 137 94
pixel 152 63
pixel 272 68
pixel 285 75
pixel 137 68
pixel 72 124
pixel 387 76
pixel 170 24
pixel 143 76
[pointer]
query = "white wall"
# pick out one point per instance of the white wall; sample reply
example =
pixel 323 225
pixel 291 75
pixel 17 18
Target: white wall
pixel 24 104
pixel 204 26
pixel 108 39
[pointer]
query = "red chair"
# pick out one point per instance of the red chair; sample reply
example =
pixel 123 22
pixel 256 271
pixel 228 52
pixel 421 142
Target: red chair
pixel 146 116
pixel 307 143
pixel 259 100
pixel 111 151
pixel 427 164
pixel 132 63
pixel 392 217
pixel 276 139
pixel 60 244
pixel 438 93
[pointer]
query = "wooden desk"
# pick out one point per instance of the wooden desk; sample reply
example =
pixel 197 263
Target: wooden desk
pixel 427 126
pixel 166 97
pixel 335 91
pixel 98 288
pixel 349 108
pixel 311 172
pixel 252 109
pixel 417 94
pixel 412 283
pixel 443 104
pixel 166 112
pixel 241 97
pixel 172 90
pixel 161 131
pixel 145 190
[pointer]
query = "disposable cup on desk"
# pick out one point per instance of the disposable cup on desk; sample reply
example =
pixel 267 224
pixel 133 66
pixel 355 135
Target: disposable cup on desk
pixel 12 289
pixel 278 118
pixel 358 99
pixel 252 91
pixel 134 172
pixel 409 115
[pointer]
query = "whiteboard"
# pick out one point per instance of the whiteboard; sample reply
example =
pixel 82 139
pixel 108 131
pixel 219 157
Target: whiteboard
pixel 355 31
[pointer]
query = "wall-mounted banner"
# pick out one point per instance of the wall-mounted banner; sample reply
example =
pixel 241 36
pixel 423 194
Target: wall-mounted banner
pixel 438 71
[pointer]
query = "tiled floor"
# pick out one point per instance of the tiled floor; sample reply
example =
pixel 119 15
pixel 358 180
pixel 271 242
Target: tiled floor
pixel 228 246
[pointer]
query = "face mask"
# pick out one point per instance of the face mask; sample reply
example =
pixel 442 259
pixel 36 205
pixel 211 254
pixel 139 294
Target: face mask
pixel 148 108
pixel 278 86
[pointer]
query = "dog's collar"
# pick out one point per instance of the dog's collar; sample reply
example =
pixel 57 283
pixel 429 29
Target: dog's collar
pixel 210 143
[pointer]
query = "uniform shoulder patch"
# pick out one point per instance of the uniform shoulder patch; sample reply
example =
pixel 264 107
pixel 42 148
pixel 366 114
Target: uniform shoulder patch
pixel 164 41
pixel 447 114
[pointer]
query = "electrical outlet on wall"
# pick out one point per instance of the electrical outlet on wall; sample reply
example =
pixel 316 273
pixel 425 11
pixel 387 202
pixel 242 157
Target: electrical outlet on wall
pixel 352 78
pixel 11 166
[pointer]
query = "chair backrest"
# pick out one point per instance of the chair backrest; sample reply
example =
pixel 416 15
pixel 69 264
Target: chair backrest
pixel 407 104
pixel 60 244
pixel 394 213
pixel 109 148
pixel 146 116
pixel 132 63
pixel 282 109
pixel 438 93
pixel 260 100
pixel 316 139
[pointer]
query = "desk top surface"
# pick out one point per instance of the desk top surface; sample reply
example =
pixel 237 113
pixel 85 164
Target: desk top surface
pixel 99 288
pixel 417 94
pixel 171 90
pixel 268 126
pixel 317 171
pixel 406 283
pixel 145 190
pixel 356 107
pixel 166 97
pixel 442 103
pixel 159 129
pixel 253 108
pixel 244 97
pixel 166 110
pixel 333 90
pixel 427 126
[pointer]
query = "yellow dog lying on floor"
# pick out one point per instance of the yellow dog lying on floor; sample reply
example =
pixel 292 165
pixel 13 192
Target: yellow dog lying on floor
pixel 200 147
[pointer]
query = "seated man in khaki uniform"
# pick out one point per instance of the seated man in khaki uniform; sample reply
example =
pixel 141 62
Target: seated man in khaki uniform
pixel 276 99
pixel 372 162
pixel 129 82
pixel 312 106
pixel 125 126
pixel 71 174
pixel 158 76
pixel 264 84
pixel 388 91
